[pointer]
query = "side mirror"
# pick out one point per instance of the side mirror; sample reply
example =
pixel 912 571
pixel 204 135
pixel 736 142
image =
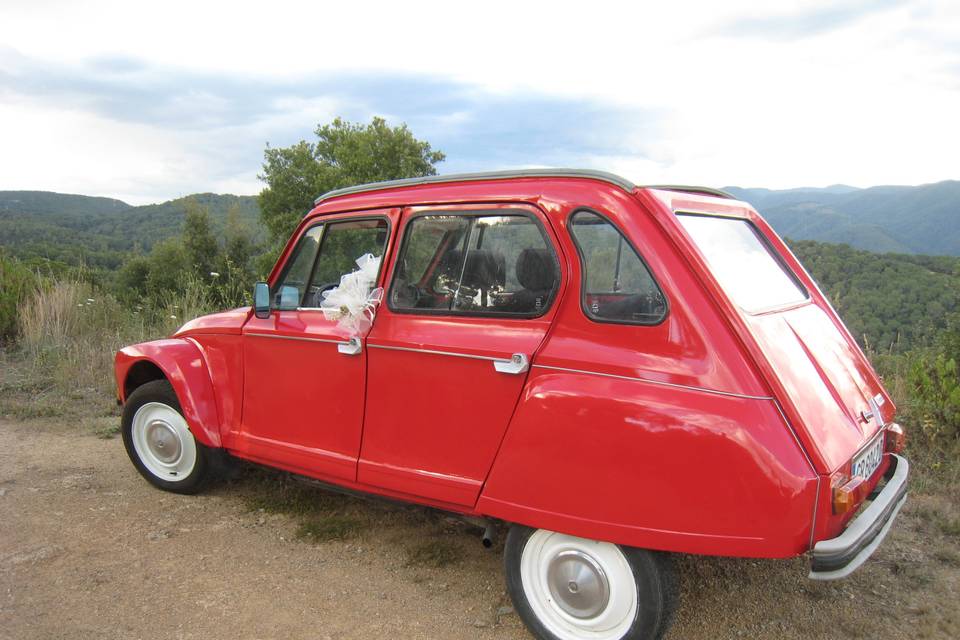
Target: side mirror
pixel 261 300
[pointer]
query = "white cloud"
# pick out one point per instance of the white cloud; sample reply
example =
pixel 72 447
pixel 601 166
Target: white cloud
pixel 777 95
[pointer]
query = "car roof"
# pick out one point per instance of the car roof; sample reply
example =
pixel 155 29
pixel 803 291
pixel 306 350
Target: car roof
pixel 603 176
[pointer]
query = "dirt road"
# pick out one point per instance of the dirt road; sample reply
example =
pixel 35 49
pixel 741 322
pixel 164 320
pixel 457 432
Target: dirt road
pixel 89 550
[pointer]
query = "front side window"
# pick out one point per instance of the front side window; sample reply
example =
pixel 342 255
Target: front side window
pixel 297 271
pixel 327 252
pixel 617 286
pixel 475 264
pixel 743 263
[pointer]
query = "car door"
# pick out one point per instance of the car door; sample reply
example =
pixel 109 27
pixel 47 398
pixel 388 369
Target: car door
pixel 304 375
pixel 471 298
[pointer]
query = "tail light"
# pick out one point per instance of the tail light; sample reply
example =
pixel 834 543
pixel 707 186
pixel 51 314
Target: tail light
pixel 847 494
pixel 896 438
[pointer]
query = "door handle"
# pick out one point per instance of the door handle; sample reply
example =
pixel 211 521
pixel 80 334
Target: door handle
pixel 518 363
pixel 351 347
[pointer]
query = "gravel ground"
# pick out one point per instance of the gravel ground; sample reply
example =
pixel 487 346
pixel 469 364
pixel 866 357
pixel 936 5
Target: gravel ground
pixel 89 550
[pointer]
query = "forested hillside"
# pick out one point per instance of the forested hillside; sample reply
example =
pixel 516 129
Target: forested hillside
pixel 924 219
pixel 99 233
pixel 893 302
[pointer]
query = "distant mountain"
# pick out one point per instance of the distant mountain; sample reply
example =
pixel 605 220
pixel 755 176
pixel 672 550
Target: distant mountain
pixel 924 219
pixel 98 232
pixel 41 226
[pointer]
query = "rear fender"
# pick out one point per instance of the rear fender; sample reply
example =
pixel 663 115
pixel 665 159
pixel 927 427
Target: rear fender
pixel 183 365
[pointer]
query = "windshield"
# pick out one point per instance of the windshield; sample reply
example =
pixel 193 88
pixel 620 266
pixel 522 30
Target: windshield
pixel 742 262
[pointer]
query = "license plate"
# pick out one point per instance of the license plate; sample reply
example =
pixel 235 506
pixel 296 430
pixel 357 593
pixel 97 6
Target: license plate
pixel 867 462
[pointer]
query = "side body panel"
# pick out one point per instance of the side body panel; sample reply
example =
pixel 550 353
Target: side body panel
pixel 652 466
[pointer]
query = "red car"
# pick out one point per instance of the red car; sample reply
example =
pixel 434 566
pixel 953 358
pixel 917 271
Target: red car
pixel 618 372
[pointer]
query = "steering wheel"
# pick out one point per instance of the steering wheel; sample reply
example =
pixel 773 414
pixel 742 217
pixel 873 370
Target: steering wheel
pixel 317 291
pixel 406 295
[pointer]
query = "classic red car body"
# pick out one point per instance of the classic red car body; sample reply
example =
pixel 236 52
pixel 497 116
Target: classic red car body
pixel 716 431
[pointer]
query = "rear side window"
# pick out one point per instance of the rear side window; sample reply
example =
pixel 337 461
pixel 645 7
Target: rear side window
pixel 616 284
pixel 475 264
pixel 743 263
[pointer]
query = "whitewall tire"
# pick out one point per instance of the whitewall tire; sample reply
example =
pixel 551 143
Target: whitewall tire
pixel 160 443
pixel 570 588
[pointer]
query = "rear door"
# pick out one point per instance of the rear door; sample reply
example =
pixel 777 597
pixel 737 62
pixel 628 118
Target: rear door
pixel 470 299
pixel 826 378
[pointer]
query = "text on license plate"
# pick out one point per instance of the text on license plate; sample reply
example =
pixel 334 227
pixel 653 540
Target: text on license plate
pixel 867 462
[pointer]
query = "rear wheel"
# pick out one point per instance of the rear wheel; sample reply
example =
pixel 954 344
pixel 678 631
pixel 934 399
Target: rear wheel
pixel 569 588
pixel 160 443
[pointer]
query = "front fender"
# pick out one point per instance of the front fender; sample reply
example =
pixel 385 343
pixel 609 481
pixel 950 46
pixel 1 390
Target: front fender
pixel 183 364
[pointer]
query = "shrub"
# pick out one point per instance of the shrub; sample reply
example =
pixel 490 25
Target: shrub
pixel 16 283
pixel 935 390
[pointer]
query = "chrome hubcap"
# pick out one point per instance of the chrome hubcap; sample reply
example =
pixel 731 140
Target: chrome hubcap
pixel 163 441
pixel 578 584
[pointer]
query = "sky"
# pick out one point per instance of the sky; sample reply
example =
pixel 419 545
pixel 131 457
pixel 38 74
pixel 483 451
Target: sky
pixel 147 102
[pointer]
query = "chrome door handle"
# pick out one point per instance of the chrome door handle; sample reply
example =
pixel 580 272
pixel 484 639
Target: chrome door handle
pixel 518 363
pixel 351 347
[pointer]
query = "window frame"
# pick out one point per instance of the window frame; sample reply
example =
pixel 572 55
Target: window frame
pixel 583 273
pixel 325 223
pixel 767 246
pixel 476 213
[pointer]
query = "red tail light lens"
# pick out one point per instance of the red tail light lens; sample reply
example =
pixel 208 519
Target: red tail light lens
pixel 896 438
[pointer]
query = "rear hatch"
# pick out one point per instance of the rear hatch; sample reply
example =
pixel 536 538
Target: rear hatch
pixel 819 374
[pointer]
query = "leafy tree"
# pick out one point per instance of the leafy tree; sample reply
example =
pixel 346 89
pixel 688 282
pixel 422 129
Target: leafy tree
pixel 131 282
pixel 200 244
pixel 239 246
pixel 344 154
pixel 169 266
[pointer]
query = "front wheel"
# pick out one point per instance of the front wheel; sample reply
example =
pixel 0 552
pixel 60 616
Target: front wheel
pixel 569 588
pixel 159 442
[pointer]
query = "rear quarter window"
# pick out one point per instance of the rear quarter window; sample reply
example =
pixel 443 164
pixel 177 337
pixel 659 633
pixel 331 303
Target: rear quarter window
pixel 616 284
pixel 744 264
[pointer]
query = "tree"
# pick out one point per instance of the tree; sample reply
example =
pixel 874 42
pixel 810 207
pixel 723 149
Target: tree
pixel 238 246
pixel 169 265
pixel 345 154
pixel 199 242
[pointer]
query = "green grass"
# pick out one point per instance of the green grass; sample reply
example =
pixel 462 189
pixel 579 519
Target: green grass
pixel 104 428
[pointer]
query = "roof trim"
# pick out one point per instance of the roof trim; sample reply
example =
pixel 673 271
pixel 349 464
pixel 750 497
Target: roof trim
pixel 611 178
pixel 708 191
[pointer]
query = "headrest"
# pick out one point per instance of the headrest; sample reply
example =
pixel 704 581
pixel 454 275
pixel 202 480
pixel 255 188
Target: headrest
pixel 536 270
pixel 483 270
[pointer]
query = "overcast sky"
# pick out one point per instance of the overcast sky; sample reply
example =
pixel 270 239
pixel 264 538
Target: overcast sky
pixel 147 102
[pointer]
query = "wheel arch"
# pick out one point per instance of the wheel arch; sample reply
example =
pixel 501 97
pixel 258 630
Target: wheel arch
pixel 182 364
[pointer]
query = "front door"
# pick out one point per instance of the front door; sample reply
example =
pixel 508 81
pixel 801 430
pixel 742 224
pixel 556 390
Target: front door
pixel 304 375
pixel 470 299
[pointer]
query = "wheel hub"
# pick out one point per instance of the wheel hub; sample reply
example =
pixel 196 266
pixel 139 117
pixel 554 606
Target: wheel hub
pixel 163 441
pixel 578 584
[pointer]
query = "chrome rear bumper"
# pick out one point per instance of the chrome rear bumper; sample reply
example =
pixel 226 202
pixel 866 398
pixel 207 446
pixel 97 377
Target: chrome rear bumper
pixel 839 557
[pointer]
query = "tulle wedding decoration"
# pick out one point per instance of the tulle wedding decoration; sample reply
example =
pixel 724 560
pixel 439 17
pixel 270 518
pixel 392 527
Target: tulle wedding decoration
pixel 353 303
